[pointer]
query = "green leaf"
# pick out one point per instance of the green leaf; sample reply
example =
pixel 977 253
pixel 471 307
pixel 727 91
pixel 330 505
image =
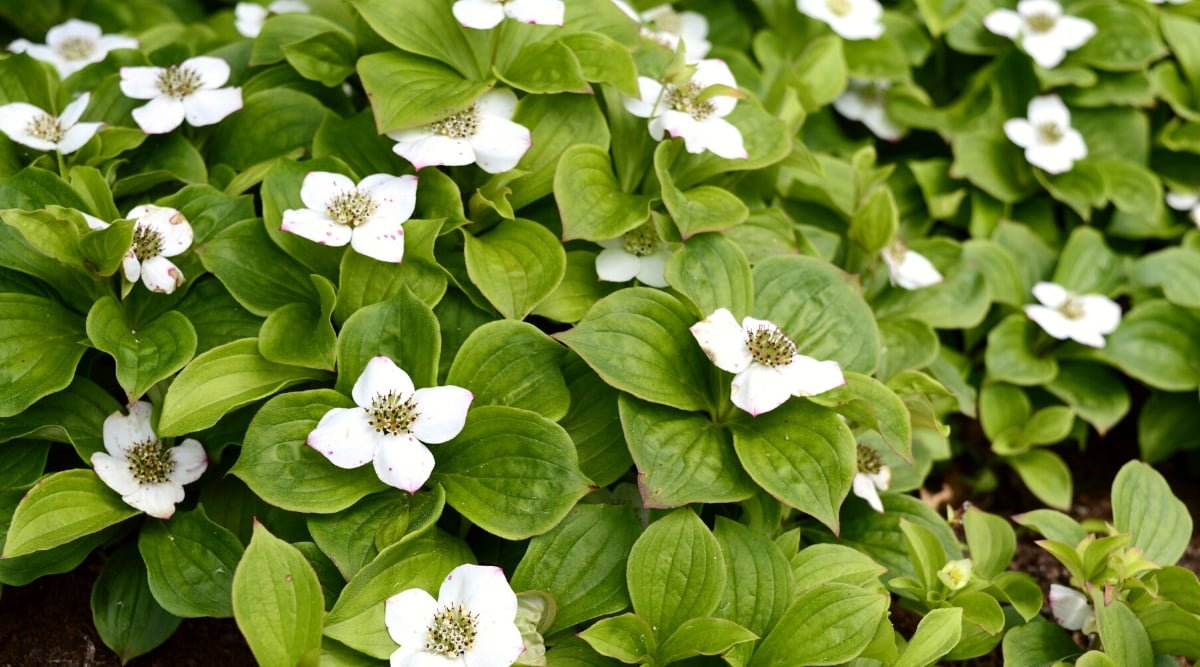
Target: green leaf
pixel 190 561
pixel 63 507
pixel 127 617
pixel 515 265
pixel 991 541
pixel 712 272
pixel 1126 39
pixel 237 255
pixel 760 584
pixel 826 625
pixel 593 424
pixel 581 562
pixel 579 289
pixel 818 564
pixel 1046 475
pixel 704 208
pixel 1176 270
pixel 277 601
pixel 1159 344
pixel 628 638
pixel 876 221
pixel 926 552
pixel 271 123
pixel 1039 642
pixel 604 60
pixel 1087 264
pixel 431 89
pixel 637 340
pixel 1166 423
pixel 1094 392
pixel 590 200
pixel 428 29
pixel 364 281
pixel 145 353
pixel 1010 354
pixel 216 316
pixel 867 402
pixel 514 364
pixel 1144 506
pixel 703 636
pixel 74 415
pixel 512 472
pixel 820 72
pixel 403 328
pixel 1172 630
pixel 800 453
pixel 906 344
pixel 545 67
pixel 327 57
pixel 39 349
pixel 676 572
pixel 767 141
pixel 1054 525
pixel 1124 636
pixel 994 164
pixel 278 340
pixel 937 633
pixel 289 28
pixel 348 537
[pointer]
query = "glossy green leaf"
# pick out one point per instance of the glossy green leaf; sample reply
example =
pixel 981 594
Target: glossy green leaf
pixel 300 334
pixel 145 353
pixel 593 424
pixel 429 29
pixel 705 208
pixel 818 564
pixel 1124 636
pixel 628 638
pixel 867 402
pixel 712 272
pixel 190 561
pixel 39 349
pixel 937 633
pixel 127 617
pixel 403 329
pixel 545 67
pixel 1094 392
pixel 1175 270
pixel 760 585
pixel 703 636
pixel 991 541
pixel 676 572
pixel 63 507
pixel 74 415
pixel 271 123
pixel 514 364
pixel 237 255
pixel 1159 344
pixel 1046 475
pixel 590 200
pixel 1011 357
pixel 431 89
pixel 515 265
pixel 826 625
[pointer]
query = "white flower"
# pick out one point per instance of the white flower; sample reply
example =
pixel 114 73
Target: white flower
pixel 1050 142
pixel 190 90
pixel 639 253
pixel 852 19
pixel 1084 318
pixel 908 268
pixel 1186 201
pixel 872 477
pixel 471 624
pixel 1173 2
pixel 864 101
pixel 1072 609
pixel 956 574
pixel 484 14
pixel 390 424
pixel 668 27
pixel 148 475
pixel 250 16
pixel 30 126
pixel 680 111
pixel 1043 31
pixel 369 216
pixel 158 233
pixel 73 45
pixel 483 134
pixel 764 362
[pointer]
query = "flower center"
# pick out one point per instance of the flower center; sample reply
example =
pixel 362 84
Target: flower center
pixel 178 82
pixel 641 241
pixel 1041 23
pixel 873 94
pixel 868 461
pixel 458 126
pixel 46 128
pixel 896 250
pixel 452 632
pixel 686 98
pixel 350 208
pixel 147 242
pixel 391 413
pixel 840 7
pixel 1072 309
pixel 150 462
pixel 1049 133
pixel 769 346
pixel 77 48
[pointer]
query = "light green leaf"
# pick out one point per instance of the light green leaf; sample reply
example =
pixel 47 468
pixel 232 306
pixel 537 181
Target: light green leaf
pixel 1144 506
pixel 1176 270
pixel 1126 38
pixel 712 272
pixel 190 561
pixel 704 208
pixel 1010 355
pixel 703 636
pixel 1046 475
pixel 514 364
pixel 403 329
pixel 545 67
pixel 278 339
pixel 994 164
pixel 515 265
pixel 556 123
pixel 676 572
pixel 867 402
pixel 628 638
pixel 991 541
pixel 61 508
pixel 327 57
pixel 579 289
pixel 826 625
pixel 760 584
pixel 237 256
pixel 145 353
pixel 937 633
pixel 39 349
pixel 818 564
pixel 1159 344
pixel 1125 638
pixel 428 29
pixel 271 123
pixel 1096 393
pixel 431 90
pixel 590 200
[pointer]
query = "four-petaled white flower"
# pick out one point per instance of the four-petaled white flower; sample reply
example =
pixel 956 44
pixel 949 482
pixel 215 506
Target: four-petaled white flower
pixel 30 126
pixel 872 477
pixel 668 27
pixel 638 253
pixel 908 268
pixel 190 90
pixel 1042 30
pixel 250 16
pixel 681 110
pixel 764 362
pixel 864 101
pixel 73 45
pixel 1084 318
pixel 391 425
pixel 158 233
pixel 1186 201
pixel 148 474
pixel 1072 609
pixel 483 134
pixel 485 14
pixel 852 19
pixel 471 624
pixel 369 216
pixel 1050 142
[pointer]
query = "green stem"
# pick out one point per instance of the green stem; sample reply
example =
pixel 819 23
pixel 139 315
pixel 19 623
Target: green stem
pixel 62 164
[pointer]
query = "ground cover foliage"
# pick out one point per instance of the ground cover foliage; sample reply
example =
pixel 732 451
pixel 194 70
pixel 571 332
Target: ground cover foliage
pixel 588 333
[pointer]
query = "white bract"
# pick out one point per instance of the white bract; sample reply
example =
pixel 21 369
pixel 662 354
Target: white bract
pixel 668 27
pixel 136 464
pixel 1072 609
pixel 485 14
pixel 864 101
pixel 391 425
pixel 369 216
pixel 1084 318
pixel 190 90
pixel 767 369
pixel 30 126
pixel 638 253
pixel 73 45
pixel 680 110
pixel 872 477
pixel 1050 143
pixel 908 268
pixel 471 624
pixel 158 233
pixel 482 134
pixel 956 574
pixel 1186 201
pixel 250 16
pixel 852 19
pixel 1041 29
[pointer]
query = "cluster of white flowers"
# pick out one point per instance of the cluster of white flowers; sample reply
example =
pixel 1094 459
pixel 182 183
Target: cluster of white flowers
pixel 1041 29
pixel 1050 143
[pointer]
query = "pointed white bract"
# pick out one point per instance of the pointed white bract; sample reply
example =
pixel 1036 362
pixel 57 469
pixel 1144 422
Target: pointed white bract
pixel 471 624
pixel 482 134
pixel 1050 143
pixel 147 474
pixel 638 254
pixel 1072 609
pixel 680 111
pixel 865 101
pixel 908 268
pixel 1186 201
pixel 249 17
pixel 30 126
pixel 188 91
pixel 73 45
pixel 766 367
pixel 391 425
pixel 486 14
pixel 369 216
pixel 159 232
pixel 871 478
pixel 1040 27
pixel 852 19
pixel 1084 318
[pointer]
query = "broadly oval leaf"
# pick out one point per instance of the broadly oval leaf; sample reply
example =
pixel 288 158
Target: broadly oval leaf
pixel 61 508
pixel 514 364
pixel 515 264
pixel 1144 506
pixel 826 625
pixel 127 617
pixel 676 572
pixel 39 349
pixel 190 561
